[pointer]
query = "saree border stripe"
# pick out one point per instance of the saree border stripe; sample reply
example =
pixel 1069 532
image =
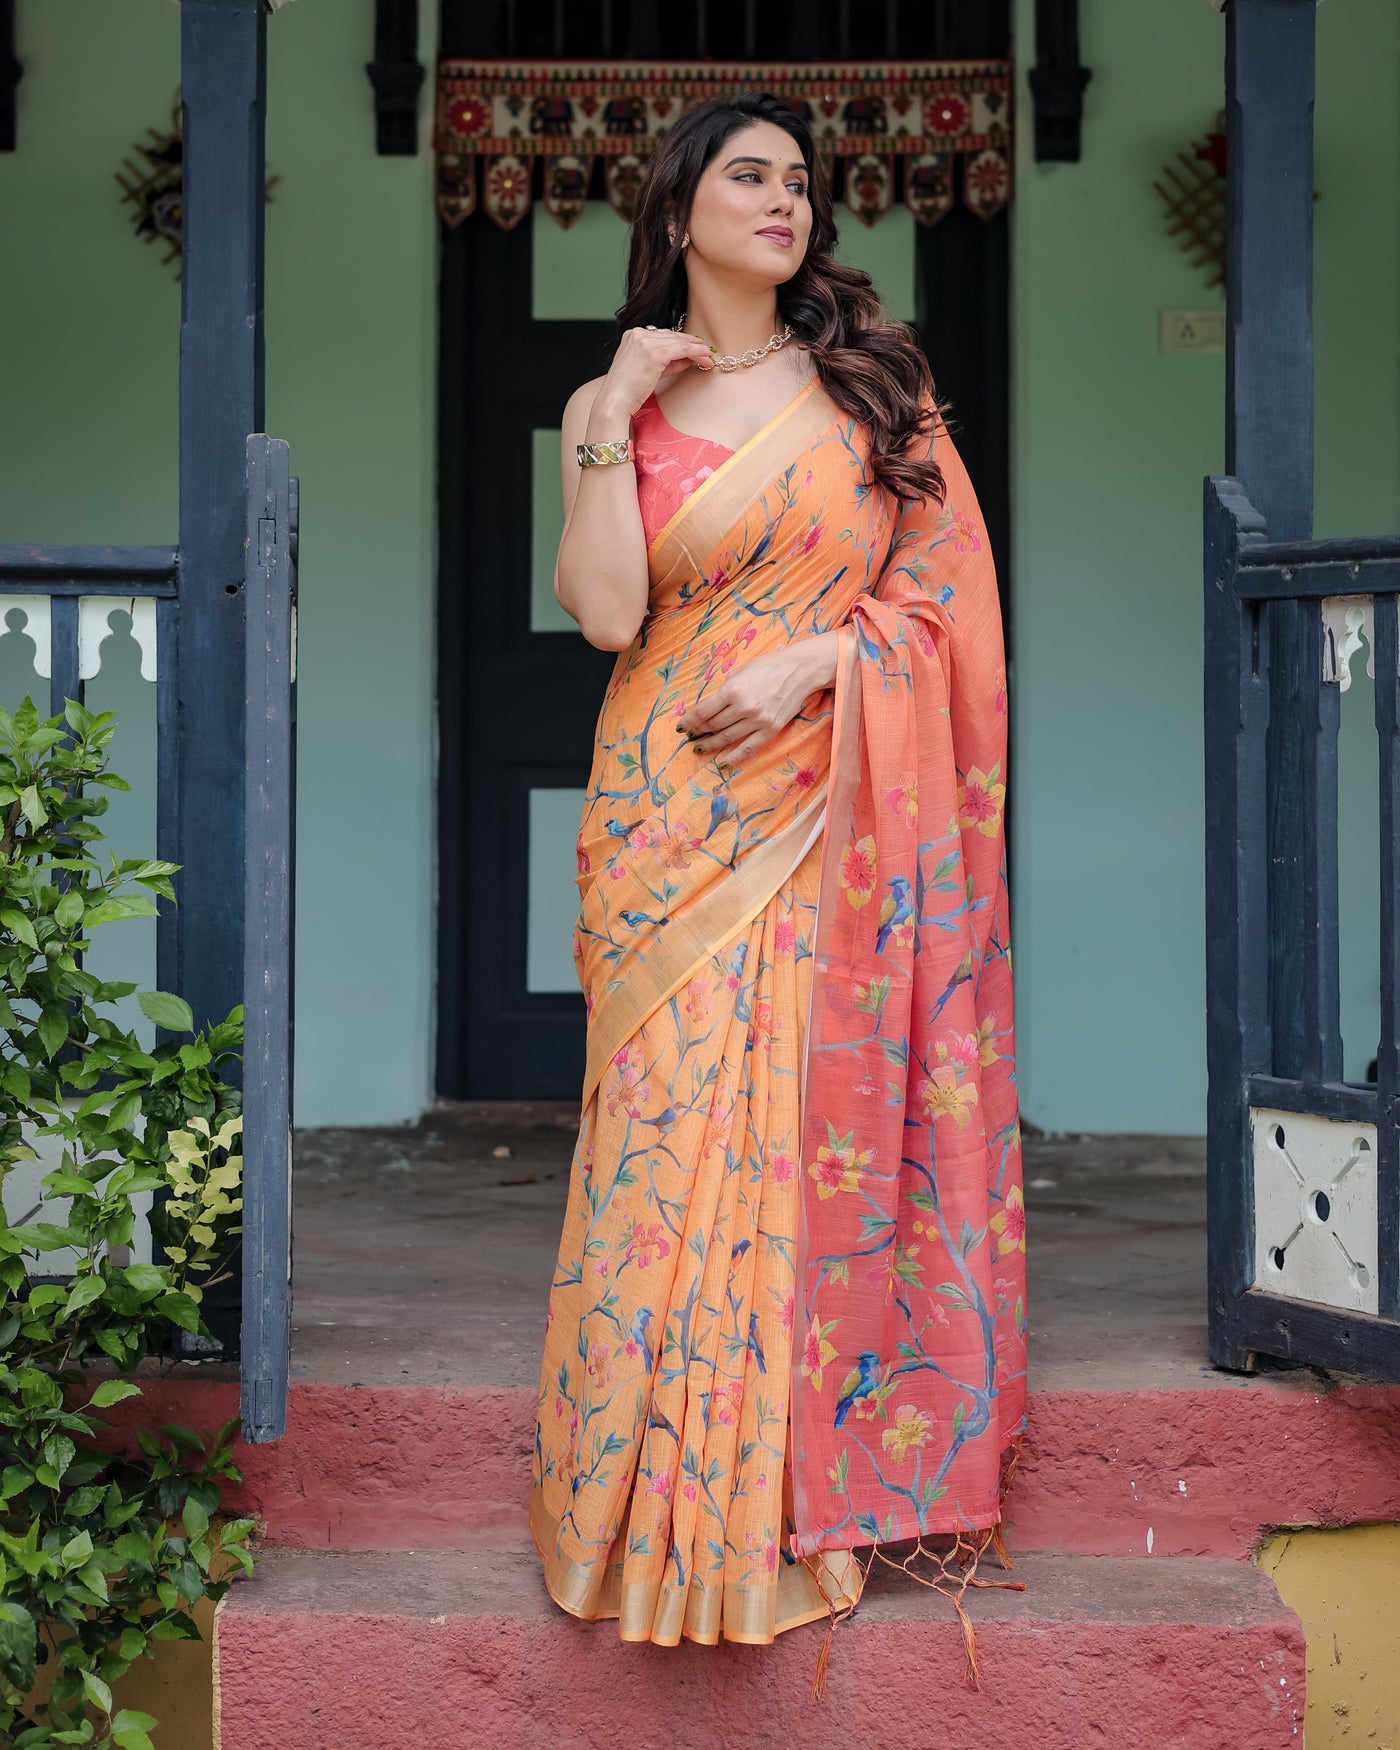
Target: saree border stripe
pixel 713 509
pixel 747 1618
pixel 711 923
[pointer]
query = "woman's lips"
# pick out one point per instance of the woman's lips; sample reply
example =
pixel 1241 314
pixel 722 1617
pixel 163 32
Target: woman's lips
pixel 778 236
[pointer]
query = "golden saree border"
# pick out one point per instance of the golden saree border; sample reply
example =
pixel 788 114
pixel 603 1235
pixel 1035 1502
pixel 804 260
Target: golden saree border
pixel 753 1619
pixel 706 519
pixel 706 926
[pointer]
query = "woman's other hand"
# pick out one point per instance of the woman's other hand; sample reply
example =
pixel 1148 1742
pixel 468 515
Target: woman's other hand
pixel 761 697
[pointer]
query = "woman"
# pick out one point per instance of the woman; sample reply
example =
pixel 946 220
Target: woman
pixel 788 1317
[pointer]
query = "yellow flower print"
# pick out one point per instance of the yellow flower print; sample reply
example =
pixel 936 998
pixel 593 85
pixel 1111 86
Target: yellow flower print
pixel 817 1352
pixel 911 1429
pixel 980 801
pixel 944 1097
pixel 857 872
pixel 1009 1224
pixel 905 796
pixel 838 1165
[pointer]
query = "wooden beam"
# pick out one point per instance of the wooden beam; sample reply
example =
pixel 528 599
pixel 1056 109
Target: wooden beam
pixel 224 86
pixel 397 76
pixel 1057 82
pixel 1269 69
pixel 11 72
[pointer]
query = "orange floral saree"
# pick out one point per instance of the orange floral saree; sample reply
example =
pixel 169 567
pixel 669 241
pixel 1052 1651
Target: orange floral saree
pixel 788 1316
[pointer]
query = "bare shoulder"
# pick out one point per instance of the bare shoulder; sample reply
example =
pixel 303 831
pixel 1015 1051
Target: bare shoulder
pixel 580 403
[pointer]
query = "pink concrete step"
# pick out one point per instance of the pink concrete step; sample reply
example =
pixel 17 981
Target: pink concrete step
pixel 1199 1471
pixel 395 1651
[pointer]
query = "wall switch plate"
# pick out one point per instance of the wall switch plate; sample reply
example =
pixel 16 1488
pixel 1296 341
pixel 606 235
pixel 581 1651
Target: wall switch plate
pixel 1193 331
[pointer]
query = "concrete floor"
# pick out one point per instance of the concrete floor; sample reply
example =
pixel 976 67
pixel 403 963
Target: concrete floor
pixel 423 1255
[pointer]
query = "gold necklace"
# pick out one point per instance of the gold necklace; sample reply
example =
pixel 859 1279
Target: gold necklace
pixel 727 361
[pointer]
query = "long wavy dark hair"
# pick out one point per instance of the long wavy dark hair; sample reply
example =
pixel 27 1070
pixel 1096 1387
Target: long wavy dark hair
pixel 872 367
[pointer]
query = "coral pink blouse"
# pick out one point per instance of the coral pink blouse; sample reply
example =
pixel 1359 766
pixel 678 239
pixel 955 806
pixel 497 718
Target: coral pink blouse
pixel 670 465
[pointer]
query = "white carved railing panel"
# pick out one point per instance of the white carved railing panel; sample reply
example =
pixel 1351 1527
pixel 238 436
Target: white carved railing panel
pixel 37 624
pixel 95 627
pixel 1346 620
pixel 1315 1208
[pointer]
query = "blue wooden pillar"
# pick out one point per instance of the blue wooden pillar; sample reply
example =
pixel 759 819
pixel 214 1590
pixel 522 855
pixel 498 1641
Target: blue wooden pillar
pixel 200 942
pixel 223 74
pixel 1269 60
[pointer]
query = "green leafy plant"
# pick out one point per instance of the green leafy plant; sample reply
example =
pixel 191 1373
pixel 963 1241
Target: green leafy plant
pixel 103 1553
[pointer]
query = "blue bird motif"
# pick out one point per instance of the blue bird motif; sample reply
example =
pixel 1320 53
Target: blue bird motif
pixel 960 976
pixel 635 919
pixel 897 909
pixel 721 807
pixel 618 829
pixel 756 1344
pixel 859 1382
pixel 640 1335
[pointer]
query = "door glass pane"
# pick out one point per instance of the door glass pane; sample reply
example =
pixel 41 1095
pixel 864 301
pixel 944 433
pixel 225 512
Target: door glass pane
pixel 886 252
pixel 552 898
pixel 579 274
pixel 546 527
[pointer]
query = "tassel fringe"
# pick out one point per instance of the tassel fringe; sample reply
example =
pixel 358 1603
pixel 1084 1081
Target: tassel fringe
pixel 956 1571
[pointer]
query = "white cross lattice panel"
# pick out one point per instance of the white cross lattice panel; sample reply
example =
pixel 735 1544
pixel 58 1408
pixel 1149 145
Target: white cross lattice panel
pixel 1315 1208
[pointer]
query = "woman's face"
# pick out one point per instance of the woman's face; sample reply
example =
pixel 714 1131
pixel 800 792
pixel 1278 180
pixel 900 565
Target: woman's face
pixel 752 214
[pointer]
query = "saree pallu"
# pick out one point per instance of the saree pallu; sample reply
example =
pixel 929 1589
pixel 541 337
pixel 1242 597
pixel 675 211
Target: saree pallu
pixel 788 1316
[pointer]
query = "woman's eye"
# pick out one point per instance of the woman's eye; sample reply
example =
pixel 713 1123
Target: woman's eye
pixel 800 186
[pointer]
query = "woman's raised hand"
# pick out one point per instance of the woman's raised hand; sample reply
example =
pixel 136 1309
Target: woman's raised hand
pixel 643 357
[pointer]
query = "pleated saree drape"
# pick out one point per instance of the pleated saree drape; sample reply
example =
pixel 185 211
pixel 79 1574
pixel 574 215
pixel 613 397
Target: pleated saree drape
pixel 788 1315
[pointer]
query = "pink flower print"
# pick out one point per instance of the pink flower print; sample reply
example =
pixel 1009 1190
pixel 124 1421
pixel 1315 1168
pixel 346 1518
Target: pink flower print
pixel 866 1085
pixel 585 1158
pixel 646 1243
pixel 803 778
pixel 923 638
pixel 784 936
pixel 814 534
pixel 697 998
pixel 559 1406
pixel 808 480
pixel 770 1555
pixel 782 1168
pixel 726 1401
pixel 661 1485
pixel 961 1049
pixel 617 871
pixel 584 866
pixel 965 534
pixel 688 1490
pixel 601 1267
pixel 626 1089
pixel 600 1364
pixel 678 846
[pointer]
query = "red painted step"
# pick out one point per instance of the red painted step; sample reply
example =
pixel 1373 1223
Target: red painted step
pixel 394 1651
pixel 1185 1471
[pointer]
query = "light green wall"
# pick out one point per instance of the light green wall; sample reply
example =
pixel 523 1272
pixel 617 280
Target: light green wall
pixel 91 323
pixel 1111 442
